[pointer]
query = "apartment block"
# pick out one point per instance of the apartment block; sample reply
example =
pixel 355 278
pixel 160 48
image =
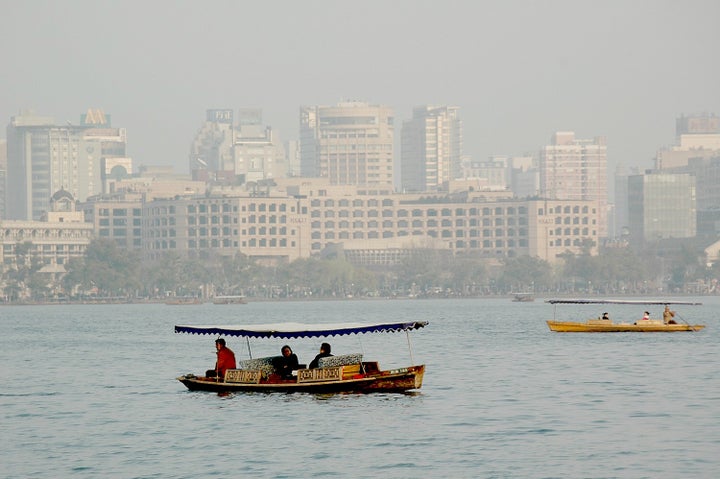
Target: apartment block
pixel 431 148
pixel 576 169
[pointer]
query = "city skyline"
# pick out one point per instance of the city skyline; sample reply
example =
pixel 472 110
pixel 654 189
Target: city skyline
pixel 518 71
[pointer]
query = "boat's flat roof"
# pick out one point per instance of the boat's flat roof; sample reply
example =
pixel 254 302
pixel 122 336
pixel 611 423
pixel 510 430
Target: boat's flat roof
pixel 299 330
pixel 620 301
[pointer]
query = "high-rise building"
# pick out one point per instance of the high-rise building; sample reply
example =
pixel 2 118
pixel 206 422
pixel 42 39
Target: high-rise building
pixel 44 158
pixel 211 150
pixel 431 148
pixel 3 176
pixel 258 154
pixel 697 137
pixel 661 205
pixel 236 149
pixel 576 169
pixel 350 143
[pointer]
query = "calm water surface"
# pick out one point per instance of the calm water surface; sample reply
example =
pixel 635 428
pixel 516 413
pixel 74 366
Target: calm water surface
pixel 89 391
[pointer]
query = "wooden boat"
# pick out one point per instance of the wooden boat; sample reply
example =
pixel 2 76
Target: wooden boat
pixel 523 298
pixel 600 325
pixel 345 373
pixel 183 301
pixel 229 300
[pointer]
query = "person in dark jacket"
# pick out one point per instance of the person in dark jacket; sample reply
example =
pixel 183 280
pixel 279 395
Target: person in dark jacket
pixel 287 363
pixel 324 353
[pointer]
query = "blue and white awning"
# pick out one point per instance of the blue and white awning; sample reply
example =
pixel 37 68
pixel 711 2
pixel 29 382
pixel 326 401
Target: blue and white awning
pixel 300 330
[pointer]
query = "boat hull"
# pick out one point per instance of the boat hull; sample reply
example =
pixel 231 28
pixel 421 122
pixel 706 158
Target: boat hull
pixel 610 327
pixel 398 381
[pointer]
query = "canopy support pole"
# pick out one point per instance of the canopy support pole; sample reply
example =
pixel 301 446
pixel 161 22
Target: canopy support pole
pixel 407 334
pixel 248 345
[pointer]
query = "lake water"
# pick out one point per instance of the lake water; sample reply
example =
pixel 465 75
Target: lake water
pixel 90 391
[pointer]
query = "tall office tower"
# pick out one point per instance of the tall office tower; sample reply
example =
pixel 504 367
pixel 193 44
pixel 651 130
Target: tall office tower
pixel 350 143
pixel 258 153
pixel 292 157
pixel 576 169
pixel 211 150
pixel 229 148
pixel 524 176
pixel 44 158
pixel 661 205
pixel 431 148
pixel 3 176
pixel 697 136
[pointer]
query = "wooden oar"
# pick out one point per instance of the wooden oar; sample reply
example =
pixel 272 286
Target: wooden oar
pixel 683 320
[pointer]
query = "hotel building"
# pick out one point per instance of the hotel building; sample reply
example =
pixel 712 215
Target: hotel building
pixel 306 220
pixel 350 143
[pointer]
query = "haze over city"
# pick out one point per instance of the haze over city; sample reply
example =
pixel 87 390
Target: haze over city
pixel 518 70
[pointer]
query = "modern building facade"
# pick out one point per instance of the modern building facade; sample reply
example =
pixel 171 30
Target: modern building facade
pixel 660 206
pixel 576 169
pixel 235 149
pixel 44 158
pixel 431 148
pixel 308 220
pixel 697 137
pixel 3 176
pixel 258 153
pixel 350 143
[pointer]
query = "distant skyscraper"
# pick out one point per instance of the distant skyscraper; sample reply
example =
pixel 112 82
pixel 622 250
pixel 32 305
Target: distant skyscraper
pixel 661 205
pixel 258 153
pixel 236 148
pixel 211 150
pixel 350 143
pixel 3 176
pixel 698 137
pixel 44 158
pixel 576 169
pixel 431 148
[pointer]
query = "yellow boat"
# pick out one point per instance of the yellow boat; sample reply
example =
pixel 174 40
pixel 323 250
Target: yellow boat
pixel 608 326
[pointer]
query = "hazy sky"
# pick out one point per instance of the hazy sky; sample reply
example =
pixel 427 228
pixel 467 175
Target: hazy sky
pixel 518 70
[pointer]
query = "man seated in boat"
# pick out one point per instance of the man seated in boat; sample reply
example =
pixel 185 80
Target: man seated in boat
pixel 287 363
pixel 668 315
pixel 605 317
pixel 225 360
pixel 324 353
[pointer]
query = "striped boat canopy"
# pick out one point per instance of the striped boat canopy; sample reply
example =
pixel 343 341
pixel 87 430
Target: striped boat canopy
pixel 620 301
pixel 299 330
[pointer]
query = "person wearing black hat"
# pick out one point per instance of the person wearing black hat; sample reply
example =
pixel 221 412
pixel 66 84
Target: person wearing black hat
pixel 324 353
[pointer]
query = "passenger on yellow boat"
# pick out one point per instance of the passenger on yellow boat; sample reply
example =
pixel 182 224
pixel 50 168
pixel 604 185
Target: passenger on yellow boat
pixel 646 316
pixel 668 315
pixel 605 316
